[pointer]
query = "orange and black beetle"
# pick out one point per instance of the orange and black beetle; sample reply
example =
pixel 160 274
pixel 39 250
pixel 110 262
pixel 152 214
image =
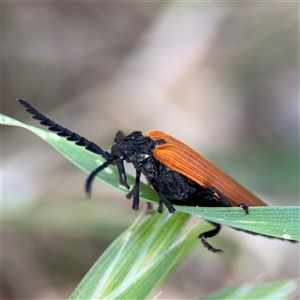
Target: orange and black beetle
pixel 177 173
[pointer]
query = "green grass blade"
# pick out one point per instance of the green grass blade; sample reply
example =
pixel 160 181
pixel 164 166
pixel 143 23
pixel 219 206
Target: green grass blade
pixel 276 221
pixel 137 261
pixel 281 222
pixel 267 291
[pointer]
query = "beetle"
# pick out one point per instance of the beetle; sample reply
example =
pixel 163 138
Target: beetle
pixel 178 174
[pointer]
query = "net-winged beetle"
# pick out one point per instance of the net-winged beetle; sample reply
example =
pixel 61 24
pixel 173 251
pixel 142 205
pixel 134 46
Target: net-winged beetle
pixel 178 174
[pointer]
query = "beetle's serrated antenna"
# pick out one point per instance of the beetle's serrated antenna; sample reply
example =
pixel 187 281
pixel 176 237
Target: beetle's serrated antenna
pixel 63 132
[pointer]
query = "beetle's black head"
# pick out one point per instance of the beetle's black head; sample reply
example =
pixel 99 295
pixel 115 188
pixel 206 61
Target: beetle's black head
pixel 134 148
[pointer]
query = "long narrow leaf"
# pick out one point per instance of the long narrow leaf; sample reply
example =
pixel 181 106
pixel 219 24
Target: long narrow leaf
pixel 281 222
pixel 251 290
pixel 135 263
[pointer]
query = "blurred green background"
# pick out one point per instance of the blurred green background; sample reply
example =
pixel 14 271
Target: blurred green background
pixel 222 77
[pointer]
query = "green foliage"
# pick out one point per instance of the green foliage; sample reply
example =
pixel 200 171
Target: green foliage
pixel 271 290
pixel 139 259
pixel 282 222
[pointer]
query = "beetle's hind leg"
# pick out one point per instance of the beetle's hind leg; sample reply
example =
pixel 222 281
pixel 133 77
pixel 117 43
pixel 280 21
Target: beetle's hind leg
pixel 245 208
pixel 208 234
pixel 221 198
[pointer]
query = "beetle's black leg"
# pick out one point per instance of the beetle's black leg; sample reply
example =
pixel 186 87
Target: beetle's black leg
pixel 135 191
pixel 149 207
pixel 160 207
pixel 208 234
pixel 223 199
pixel 166 202
pixel 130 194
pixel 245 208
pixel 122 173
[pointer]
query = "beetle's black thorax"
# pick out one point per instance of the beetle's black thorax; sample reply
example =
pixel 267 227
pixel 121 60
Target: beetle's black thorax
pixel 133 148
